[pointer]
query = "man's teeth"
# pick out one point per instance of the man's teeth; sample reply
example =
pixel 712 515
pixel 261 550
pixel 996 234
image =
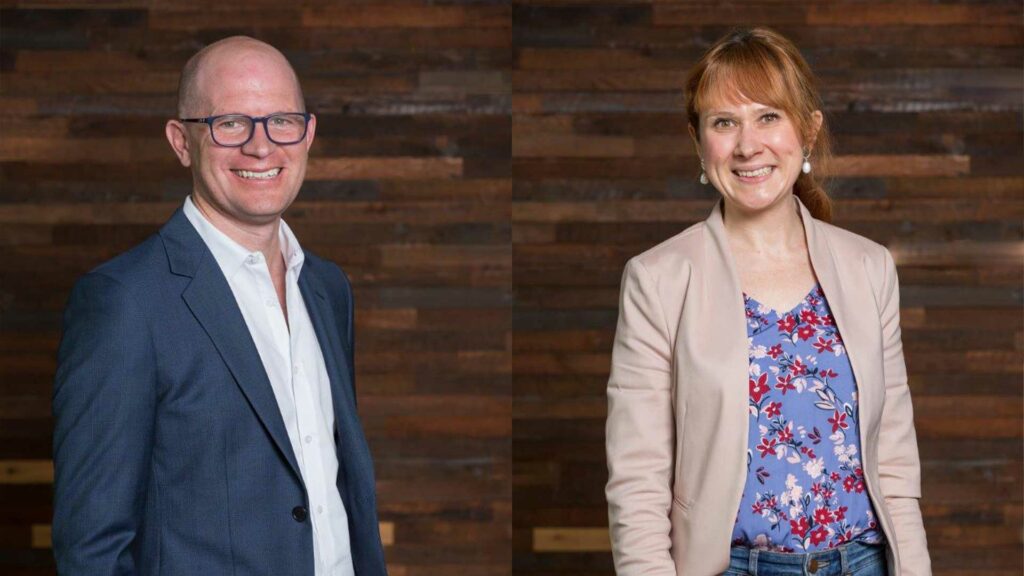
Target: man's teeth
pixel 755 173
pixel 258 175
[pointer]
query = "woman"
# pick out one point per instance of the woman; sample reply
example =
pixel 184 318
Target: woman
pixel 759 419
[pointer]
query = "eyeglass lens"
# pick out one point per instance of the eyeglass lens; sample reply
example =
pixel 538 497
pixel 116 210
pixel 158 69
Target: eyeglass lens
pixel 234 130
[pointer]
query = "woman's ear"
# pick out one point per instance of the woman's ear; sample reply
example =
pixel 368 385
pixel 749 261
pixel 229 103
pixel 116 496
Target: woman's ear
pixel 816 120
pixel 693 135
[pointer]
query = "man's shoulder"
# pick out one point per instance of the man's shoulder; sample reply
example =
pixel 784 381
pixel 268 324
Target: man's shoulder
pixel 135 265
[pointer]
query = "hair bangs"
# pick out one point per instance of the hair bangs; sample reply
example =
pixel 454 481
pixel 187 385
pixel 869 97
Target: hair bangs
pixel 744 74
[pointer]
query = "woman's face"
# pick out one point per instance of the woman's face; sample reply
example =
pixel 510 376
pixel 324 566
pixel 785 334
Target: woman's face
pixel 752 152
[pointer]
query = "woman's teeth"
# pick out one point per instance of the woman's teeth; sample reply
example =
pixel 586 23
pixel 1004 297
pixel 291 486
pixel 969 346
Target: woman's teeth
pixel 258 175
pixel 755 173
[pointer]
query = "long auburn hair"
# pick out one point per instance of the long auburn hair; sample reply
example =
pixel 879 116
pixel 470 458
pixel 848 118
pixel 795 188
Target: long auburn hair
pixel 763 66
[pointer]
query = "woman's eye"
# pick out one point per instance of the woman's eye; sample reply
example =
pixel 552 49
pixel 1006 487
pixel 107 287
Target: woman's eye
pixel 770 117
pixel 722 123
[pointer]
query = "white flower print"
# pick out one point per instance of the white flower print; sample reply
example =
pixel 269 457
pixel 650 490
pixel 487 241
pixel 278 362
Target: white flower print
pixel 814 467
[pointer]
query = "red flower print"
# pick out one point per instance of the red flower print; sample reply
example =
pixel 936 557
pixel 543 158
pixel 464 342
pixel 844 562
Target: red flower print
pixel 840 513
pixel 859 487
pixel 757 507
pixel 826 320
pixel 784 383
pixel 805 332
pixel 775 351
pixel 799 527
pixel 767 447
pixel 773 409
pixel 849 483
pixel 828 372
pixel 838 420
pixel 786 434
pixel 798 368
pixel 807 316
pixel 816 489
pixel 750 313
pixel 822 345
pixel 758 389
pixel 822 515
pixel 819 535
pixel 787 324
pixel 835 476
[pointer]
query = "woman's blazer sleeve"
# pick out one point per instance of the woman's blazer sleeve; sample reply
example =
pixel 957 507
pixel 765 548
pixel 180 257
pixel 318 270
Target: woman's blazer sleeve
pixel 640 430
pixel 899 466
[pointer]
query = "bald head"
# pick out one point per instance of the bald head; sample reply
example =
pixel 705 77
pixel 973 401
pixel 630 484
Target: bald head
pixel 210 62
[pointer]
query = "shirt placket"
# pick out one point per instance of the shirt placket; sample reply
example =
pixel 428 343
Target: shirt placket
pixel 304 379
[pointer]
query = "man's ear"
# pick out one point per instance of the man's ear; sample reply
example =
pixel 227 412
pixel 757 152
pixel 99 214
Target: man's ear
pixel 310 131
pixel 176 136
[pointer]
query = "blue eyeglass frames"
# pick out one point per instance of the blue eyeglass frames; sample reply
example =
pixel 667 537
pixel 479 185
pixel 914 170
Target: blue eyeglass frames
pixel 234 130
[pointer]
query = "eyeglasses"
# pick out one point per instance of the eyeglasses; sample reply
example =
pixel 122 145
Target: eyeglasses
pixel 233 130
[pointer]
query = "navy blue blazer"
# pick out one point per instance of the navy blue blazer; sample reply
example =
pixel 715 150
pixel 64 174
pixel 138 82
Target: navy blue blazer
pixel 170 453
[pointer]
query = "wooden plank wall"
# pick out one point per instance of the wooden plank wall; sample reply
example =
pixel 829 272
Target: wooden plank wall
pixel 408 189
pixel 483 170
pixel 925 102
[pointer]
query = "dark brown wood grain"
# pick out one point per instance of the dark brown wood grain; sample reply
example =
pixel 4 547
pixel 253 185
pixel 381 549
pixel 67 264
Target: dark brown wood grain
pixel 407 189
pixel 483 170
pixel 924 103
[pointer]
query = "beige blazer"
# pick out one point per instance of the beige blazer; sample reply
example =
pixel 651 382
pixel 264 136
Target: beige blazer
pixel 677 399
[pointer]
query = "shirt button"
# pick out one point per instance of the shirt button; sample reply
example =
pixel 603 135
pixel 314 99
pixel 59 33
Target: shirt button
pixel 319 509
pixel 252 259
pixel 309 439
pixel 270 302
pixel 295 369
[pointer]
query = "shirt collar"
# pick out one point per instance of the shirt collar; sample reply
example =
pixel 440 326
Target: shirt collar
pixel 231 255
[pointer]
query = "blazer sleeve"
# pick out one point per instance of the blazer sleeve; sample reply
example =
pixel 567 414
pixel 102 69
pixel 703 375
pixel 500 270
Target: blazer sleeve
pixel 640 431
pixel 899 467
pixel 104 402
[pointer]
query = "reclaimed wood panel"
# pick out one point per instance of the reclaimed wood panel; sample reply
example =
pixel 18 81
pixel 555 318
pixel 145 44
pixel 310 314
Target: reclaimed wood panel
pixel 408 189
pixel 924 102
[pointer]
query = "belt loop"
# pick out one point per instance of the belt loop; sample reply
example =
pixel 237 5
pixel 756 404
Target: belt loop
pixel 752 562
pixel 843 559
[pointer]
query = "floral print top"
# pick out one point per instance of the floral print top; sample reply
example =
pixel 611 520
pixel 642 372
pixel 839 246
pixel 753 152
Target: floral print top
pixel 805 486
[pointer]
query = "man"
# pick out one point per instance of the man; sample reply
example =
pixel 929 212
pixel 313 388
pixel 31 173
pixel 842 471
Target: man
pixel 204 406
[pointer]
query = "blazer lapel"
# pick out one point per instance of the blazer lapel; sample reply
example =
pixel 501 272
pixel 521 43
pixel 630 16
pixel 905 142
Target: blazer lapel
pixel 725 295
pixel 211 301
pixel 843 303
pixel 338 369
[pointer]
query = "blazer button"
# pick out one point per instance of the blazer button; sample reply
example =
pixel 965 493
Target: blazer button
pixel 299 514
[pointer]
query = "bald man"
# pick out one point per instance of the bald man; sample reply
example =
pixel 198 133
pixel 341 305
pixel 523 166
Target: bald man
pixel 204 403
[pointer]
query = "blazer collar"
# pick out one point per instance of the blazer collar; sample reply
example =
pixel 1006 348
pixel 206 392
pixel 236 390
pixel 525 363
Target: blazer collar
pixel 211 301
pixel 854 327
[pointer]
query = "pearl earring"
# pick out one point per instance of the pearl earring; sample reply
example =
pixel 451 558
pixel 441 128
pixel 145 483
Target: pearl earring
pixel 703 174
pixel 806 167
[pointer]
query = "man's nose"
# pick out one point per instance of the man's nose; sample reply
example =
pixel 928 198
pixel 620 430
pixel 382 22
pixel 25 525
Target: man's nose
pixel 260 144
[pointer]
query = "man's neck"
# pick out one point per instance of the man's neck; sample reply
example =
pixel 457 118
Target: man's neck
pixel 254 237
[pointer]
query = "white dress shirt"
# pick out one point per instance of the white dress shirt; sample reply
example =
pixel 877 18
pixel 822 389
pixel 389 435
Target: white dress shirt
pixel 295 366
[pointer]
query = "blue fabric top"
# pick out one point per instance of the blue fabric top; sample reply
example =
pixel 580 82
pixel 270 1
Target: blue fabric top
pixel 805 486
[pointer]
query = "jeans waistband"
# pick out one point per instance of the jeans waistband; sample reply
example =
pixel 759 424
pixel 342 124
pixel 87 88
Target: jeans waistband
pixel 838 560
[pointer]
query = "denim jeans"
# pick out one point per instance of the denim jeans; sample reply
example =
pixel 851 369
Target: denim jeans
pixel 853 559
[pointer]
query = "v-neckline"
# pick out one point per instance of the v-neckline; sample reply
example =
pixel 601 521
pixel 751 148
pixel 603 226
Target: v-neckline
pixel 760 306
